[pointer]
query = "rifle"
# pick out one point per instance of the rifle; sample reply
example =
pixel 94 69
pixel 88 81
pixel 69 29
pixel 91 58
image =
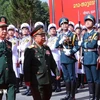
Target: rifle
pixel 80 53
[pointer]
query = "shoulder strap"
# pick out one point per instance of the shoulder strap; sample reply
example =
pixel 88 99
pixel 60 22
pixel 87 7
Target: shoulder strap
pixel 94 36
pixel 73 40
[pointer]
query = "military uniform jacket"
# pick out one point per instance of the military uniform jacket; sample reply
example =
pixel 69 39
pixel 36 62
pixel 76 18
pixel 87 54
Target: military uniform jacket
pixel 24 43
pixel 51 43
pixel 71 44
pixel 38 64
pixel 89 46
pixel 14 42
pixel 7 74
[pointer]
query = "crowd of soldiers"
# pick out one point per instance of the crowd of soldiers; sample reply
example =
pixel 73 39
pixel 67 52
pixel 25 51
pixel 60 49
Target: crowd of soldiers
pixel 71 54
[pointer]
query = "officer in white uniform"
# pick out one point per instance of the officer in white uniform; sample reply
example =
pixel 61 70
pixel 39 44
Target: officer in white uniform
pixel 14 41
pixel 56 53
pixel 79 72
pixel 23 44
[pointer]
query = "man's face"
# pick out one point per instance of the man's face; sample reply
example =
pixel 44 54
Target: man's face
pixel 40 39
pixel 89 24
pixel 25 31
pixel 52 31
pixel 64 26
pixel 3 32
pixel 11 32
pixel 71 28
pixel 78 31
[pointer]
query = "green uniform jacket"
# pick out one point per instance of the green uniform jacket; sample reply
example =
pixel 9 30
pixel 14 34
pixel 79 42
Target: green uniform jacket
pixel 7 75
pixel 38 64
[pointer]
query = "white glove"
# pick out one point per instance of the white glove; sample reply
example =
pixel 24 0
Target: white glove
pixel 61 41
pixel 79 43
pixel 67 52
pixel 98 42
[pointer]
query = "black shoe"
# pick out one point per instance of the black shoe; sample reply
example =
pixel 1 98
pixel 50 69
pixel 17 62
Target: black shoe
pixel 29 93
pixel 82 86
pixel 71 98
pixel 58 90
pixel 65 98
pixel 17 91
pixel 24 93
pixel 24 87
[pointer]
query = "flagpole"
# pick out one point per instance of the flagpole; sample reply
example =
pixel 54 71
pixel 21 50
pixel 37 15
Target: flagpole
pixel 97 10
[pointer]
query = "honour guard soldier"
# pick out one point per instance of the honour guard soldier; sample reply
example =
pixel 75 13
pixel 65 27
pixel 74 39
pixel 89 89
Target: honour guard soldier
pixel 79 71
pixel 40 62
pixel 71 26
pixel 7 75
pixel 14 41
pixel 56 53
pixel 68 45
pixel 90 55
pixel 23 44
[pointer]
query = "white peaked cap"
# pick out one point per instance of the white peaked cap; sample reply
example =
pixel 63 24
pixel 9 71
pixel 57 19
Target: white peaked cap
pixel 77 26
pixel 71 23
pixel 11 26
pixel 38 23
pixel 84 27
pixel 52 25
pixel 25 25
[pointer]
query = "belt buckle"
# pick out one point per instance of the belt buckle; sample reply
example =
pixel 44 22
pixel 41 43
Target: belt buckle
pixel 86 50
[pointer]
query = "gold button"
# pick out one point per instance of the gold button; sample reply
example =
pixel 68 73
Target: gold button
pixel 6 68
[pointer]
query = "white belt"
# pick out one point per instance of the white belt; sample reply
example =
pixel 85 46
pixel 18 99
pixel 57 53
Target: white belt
pixel 90 50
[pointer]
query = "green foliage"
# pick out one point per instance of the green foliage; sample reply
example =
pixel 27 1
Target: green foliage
pixel 19 11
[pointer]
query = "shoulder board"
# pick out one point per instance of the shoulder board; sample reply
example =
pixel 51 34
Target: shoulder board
pixel 31 46
pixel 94 36
pixel 45 45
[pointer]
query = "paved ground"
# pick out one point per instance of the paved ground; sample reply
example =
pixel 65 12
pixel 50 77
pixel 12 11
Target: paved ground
pixel 81 95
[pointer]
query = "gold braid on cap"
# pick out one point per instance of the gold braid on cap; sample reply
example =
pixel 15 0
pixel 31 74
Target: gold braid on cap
pixel 40 31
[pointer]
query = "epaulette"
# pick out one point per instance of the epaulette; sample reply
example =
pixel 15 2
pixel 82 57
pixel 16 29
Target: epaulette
pixel 45 45
pixel 31 46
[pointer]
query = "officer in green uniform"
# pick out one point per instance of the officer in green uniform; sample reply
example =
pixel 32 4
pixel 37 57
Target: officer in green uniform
pixel 40 62
pixel 7 75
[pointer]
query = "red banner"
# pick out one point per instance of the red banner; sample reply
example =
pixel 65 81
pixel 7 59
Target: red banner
pixel 74 10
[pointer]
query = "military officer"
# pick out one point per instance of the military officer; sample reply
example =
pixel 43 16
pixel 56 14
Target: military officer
pixel 7 75
pixel 90 55
pixel 14 41
pixel 56 53
pixel 79 71
pixel 40 62
pixel 68 45
pixel 71 26
pixel 23 44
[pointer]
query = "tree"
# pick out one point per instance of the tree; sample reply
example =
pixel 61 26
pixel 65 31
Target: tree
pixel 30 11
